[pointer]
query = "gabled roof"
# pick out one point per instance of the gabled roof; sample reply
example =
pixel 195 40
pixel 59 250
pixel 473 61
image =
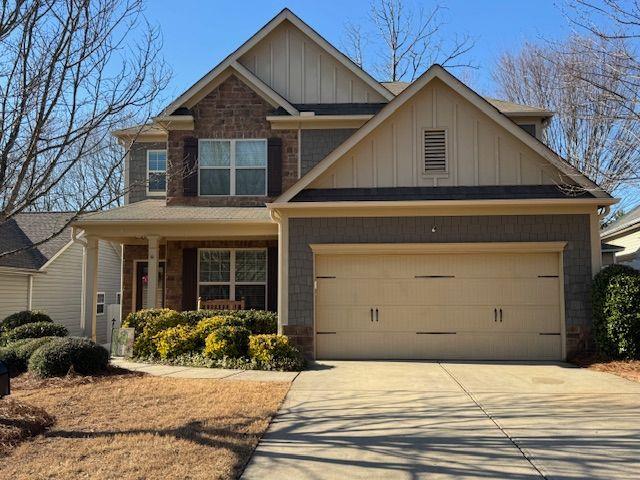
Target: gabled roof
pixel 437 71
pixel 26 229
pixel 628 220
pixel 232 60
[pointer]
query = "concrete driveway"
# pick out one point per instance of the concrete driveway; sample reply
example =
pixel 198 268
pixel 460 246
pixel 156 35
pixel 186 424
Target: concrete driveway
pixel 409 420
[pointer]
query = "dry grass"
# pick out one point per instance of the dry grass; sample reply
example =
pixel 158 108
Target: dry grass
pixel 139 427
pixel 629 369
pixel 18 422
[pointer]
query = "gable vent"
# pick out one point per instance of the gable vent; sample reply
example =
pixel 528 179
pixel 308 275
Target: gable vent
pixel 435 151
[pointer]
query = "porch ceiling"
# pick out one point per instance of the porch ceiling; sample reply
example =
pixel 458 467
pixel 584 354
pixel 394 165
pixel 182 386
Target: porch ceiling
pixel 135 222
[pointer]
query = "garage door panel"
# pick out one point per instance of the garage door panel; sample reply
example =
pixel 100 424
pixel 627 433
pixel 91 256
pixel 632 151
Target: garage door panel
pixel 439 306
pixel 405 346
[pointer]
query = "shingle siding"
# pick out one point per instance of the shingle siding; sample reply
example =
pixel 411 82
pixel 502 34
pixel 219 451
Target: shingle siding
pixel 574 229
pixel 137 169
pixel 317 144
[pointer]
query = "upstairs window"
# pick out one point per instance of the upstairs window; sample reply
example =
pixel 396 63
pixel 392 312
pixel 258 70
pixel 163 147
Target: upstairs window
pixel 530 128
pixel 156 172
pixel 435 151
pixel 232 167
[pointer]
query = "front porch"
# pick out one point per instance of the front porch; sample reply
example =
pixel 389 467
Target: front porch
pixel 175 255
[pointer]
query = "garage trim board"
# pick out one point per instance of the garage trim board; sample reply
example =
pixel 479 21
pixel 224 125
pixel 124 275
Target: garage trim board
pixel 473 288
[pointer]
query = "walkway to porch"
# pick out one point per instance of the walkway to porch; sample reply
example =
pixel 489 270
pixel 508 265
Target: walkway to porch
pixel 200 372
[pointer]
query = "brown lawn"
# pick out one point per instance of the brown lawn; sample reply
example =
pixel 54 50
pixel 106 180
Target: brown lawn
pixel 629 369
pixel 139 427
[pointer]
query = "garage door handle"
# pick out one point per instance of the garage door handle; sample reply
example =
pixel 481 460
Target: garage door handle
pixel 377 315
pixel 500 315
pixel 495 314
pixel 372 314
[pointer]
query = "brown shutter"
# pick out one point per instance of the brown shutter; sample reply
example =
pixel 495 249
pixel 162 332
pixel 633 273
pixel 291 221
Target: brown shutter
pixel 274 166
pixel 189 278
pixel 190 175
pixel 272 278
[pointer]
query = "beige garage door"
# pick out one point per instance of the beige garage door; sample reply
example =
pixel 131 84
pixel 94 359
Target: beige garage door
pixel 438 306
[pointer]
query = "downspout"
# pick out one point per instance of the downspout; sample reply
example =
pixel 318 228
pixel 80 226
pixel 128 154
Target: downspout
pixel 75 236
pixel 30 293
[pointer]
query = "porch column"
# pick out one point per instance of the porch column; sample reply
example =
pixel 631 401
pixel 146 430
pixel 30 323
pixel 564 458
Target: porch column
pixel 152 263
pixel 283 271
pixel 90 283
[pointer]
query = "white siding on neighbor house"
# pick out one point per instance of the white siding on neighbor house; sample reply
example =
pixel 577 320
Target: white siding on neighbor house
pixel 302 72
pixel 478 150
pixel 59 291
pixel 631 253
pixel 14 294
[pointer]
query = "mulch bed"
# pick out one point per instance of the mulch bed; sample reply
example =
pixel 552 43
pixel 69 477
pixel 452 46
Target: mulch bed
pixel 629 369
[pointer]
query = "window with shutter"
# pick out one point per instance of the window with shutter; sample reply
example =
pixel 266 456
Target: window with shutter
pixel 435 151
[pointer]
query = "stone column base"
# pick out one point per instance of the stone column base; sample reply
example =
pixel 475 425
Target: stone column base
pixel 579 340
pixel 301 337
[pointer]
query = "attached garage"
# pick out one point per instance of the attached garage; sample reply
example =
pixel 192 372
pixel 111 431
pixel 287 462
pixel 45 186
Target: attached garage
pixel 493 301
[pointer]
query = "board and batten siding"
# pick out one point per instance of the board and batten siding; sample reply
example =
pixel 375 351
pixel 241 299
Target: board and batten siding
pixel 302 72
pixel 58 292
pixel 479 151
pixel 14 294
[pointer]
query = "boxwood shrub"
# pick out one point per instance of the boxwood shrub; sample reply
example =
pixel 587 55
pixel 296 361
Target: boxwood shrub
pixel 60 355
pixel 275 352
pixel 34 330
pixel 9 355
pixel 258 321
pixel 227 341
pixel 21 318
pixel 616 311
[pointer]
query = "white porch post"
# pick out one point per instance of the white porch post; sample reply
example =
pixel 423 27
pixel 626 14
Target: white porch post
pixel 283 271
pixel 152 264
pixel 90 290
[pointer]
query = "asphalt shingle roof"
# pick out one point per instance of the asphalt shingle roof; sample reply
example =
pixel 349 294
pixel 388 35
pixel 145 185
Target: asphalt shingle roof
pixel 628 220
pixel 26 229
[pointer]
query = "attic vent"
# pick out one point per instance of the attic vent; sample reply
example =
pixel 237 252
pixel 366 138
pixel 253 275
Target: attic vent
pixel 435 151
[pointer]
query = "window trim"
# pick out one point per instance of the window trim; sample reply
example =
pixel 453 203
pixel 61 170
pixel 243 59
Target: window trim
pixel 439 173
pixel 157 193
pixel 232 271
pixel 103 303
pixel 232 167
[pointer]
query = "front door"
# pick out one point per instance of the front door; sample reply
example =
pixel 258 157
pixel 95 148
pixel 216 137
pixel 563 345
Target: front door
pixel 142 276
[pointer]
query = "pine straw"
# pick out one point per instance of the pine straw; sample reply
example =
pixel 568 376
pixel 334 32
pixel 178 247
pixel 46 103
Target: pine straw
pixel 629 369
pixel 136 427
pixel 19 421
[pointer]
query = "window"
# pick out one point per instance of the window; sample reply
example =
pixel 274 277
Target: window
pixel 235 274
pixel 232 167
pixel 156 172
pixel 530 128
pixel 435 151
pixel 118 298
pixel 100 303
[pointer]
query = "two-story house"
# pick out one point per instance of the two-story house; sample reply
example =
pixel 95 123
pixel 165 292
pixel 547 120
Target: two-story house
pixel 379 220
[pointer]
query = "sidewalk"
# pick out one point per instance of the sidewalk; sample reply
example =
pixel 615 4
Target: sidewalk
pixel 198 372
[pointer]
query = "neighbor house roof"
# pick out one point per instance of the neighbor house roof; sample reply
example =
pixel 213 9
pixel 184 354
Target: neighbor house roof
pixel 629 220
pixel 152 211
pixel 610 248
pixel 26 229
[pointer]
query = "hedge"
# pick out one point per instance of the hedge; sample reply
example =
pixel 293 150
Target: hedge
pixel 59 356
pixel 22 318
pixel 34 330
pixel 227 341
pixel 616 311
pixel 275 352
pixel 147 324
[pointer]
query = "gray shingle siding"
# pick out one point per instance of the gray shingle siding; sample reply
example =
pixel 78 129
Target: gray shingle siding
pixel 137 175
pixel 317 144
pixel 574 229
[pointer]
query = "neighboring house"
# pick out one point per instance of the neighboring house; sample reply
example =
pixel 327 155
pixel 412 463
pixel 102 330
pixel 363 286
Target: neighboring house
pixel 624 234
pixel 48 277
pixel 379 220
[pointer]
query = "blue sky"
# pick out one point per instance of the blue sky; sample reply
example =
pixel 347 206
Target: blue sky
pixel 198 34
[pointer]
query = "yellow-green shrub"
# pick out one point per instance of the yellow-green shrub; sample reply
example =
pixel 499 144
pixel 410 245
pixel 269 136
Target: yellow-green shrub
pixel 175 341
pixel 147 324
pixel 227 341
pixel 275 352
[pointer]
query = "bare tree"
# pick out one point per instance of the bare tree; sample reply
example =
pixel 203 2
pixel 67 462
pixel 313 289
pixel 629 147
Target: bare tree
pixel 70 72
pixel 407 40
pixel 591 127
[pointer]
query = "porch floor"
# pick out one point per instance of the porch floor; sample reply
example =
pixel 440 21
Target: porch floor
pixel 201 372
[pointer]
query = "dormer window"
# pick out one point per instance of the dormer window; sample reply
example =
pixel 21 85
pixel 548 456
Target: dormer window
pixel 156 172
pixel 232 167
pixel 530 128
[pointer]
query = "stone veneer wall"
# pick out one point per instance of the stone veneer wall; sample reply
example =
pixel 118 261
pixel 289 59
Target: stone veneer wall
pixel 172 254
pixel 573 229
pixel 230 111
